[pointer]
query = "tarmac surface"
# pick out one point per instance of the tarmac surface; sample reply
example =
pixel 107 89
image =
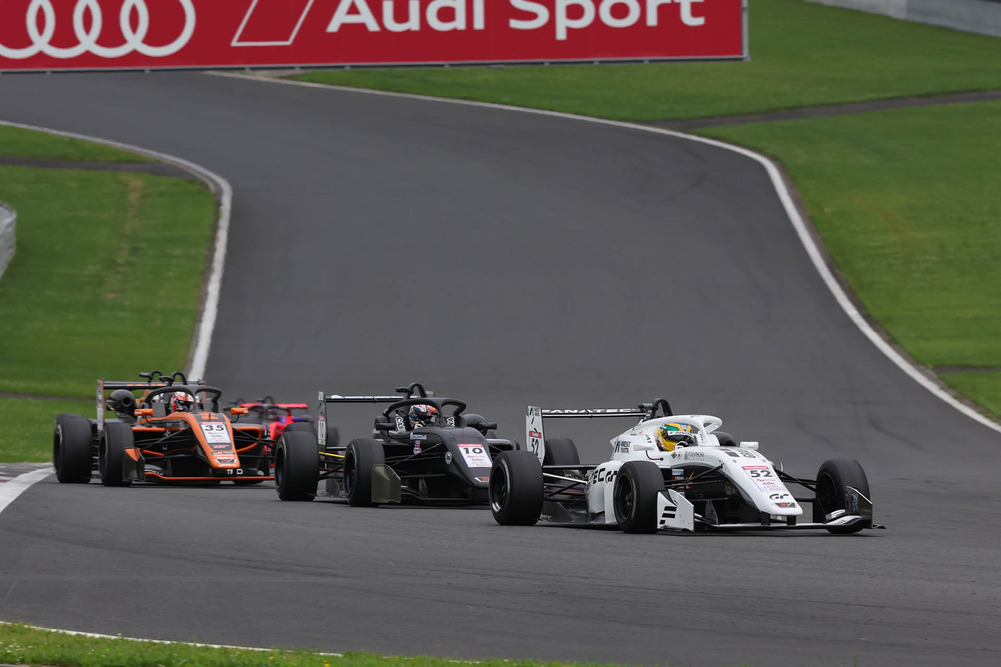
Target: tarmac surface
pixel 509 259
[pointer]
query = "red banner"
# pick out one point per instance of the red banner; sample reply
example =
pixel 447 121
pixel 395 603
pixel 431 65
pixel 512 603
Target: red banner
pixel 171 34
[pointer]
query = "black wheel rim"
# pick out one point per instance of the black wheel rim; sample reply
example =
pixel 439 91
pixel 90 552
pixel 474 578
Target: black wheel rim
pixel 280 467
pixel 499 489
pixel 625 498
pixel 350 473
pixel 827 493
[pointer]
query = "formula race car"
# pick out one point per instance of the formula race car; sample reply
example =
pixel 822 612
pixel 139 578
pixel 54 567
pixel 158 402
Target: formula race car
pixel 423 449
pixel 676 472
pixel 275 417
pixel 172 431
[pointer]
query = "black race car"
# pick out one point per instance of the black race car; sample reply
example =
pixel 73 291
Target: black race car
pixel 165 430
pixel 423 449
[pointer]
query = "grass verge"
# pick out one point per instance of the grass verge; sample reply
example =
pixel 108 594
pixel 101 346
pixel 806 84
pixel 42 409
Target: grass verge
pixel 15 141
pixel 802 54
pixel 22 644
pixel 31 438
pixel 105 281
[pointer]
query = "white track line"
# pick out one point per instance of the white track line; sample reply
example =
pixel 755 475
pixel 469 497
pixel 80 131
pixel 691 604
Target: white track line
pixel 9 491
pixel 203 339
pixel 74 633
pixel 802 230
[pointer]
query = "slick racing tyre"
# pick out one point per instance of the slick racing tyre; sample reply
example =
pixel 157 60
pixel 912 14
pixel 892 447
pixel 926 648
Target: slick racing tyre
pixel 359 457
pixel 832 479
pixel 297 466
pixel 634 496
pixel 516 488
pixel 117 437
pixel 560 452
pixel 71 449
pixel 305 427
pixel 725 439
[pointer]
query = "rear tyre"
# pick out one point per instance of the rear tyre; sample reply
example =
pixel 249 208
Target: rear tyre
pixel 516 488
pixel 725 439
pixel 832 478
pixel 297 466
pixel 305 427
pixel 560 452
pixel 72 454
pixel 359 457
pixel 634 496
pixel 117 437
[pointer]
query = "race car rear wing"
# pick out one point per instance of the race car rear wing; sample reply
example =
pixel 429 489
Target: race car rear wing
pixel 535 434
pixel 321 409
pixel 110 385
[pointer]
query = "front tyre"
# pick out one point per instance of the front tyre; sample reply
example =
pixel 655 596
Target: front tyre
pixel 833 478
pixel 516 488
pixel 634 496
pixel 359 458
pixel 72 454
pixel 117 438
pixel 297 466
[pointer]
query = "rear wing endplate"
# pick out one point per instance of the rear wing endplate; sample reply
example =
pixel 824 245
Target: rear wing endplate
pixel 535 433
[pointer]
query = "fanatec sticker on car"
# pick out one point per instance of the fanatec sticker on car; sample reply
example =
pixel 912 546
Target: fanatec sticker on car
pixel 476 456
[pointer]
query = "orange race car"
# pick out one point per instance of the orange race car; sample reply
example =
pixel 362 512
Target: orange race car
pixel 164 430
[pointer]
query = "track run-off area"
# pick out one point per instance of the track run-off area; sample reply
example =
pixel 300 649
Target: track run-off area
pixel 510 258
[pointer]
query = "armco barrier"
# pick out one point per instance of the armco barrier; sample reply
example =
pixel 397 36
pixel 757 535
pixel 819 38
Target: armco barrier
pixel 982 16
pixel 8 221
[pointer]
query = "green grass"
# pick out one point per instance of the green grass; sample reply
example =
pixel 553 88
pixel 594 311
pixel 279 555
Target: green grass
pixel 983 387
pixel 26 143
pixel 31 440
pixel 26 645
pixel 105 281
pixel 119 291
pixel 802 54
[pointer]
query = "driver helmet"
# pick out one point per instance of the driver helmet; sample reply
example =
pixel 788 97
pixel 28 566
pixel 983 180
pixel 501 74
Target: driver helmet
pixel 421 414
pixel 181 401
pixel 670 436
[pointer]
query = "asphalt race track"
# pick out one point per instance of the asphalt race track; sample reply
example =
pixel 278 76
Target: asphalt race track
pixel 510 259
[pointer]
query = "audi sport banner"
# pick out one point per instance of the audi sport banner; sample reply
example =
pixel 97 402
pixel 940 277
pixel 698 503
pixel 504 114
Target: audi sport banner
pixel 148 34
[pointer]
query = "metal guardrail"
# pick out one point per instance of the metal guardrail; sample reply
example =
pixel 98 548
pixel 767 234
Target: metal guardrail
pixel 8 223
pixel 980 16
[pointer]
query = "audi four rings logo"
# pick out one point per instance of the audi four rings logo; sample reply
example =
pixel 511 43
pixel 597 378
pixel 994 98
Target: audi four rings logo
pixel 41 39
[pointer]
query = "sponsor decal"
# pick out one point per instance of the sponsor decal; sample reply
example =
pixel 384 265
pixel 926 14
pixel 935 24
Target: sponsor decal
pixel 215 433
pixel 401 425
pixel 418 436
pixel 622 446
pixel 483 479
pixel 475 455
pixel 448 458
pixel 695 456
pixel 602 475
pixel 786 504
pixel 417 448
pixel 778 496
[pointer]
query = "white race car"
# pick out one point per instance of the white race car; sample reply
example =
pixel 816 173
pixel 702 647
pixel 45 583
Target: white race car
pixel 676 472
